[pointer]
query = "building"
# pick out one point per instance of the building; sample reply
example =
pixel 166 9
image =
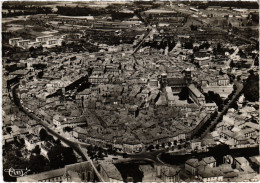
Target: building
pixel 169 174
pixel 23 43
pixel 191 166
pixel 210 106
pixel 210 175
pixel 153 83
pixel 79 133
pixel 14 41
pixel 31 141
pixel 169 96
pixel 53 42
pixel 195 145
pixel 209 161
pixel 49 176
pixel 78 172
pixel 109 172
pixel 58 120
pixel 240 162
pixel 45 38
pixel 176 84
pixel 196 95
pixel 132 147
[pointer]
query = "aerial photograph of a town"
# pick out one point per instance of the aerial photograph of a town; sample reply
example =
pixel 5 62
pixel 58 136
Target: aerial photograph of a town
pixel 130 91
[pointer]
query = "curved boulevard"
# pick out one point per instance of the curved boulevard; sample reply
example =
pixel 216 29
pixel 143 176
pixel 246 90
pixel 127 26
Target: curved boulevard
pixel 80 147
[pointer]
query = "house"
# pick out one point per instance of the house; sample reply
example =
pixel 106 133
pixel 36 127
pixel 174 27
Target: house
pixel 23 43
pixel 191 166
pixel 79 133
pixel 14 41
pixel 195 145
pixel 58 120
pixel 170 174
pixel 209 161
pixel 240 162
pixel 73 121
pixel 149 173
pixel 210 106
pixel 45 38
pixel 34 44
pixel 132 146
pixel 109 172
pixel 31 141
pixel 7 138
pixel 53 42
pixel 224 80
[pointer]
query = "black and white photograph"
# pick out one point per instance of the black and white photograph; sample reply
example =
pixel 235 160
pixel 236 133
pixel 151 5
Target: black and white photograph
pixel 130 91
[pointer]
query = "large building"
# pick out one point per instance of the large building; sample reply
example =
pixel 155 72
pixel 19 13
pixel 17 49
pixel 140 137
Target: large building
pixel 196 95
pixel 109 172
pixel 78 172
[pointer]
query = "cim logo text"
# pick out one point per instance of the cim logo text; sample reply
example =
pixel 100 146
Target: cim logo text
pixel 17 172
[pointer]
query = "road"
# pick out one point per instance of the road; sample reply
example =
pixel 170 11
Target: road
pixel 226 107
pixel 79 146
pixel 141 42
pixel 72 144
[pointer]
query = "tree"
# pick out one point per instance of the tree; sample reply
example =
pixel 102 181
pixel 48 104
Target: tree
pixel 234 105
pixel 193 27
pixel 151 147
pixel 188 45
pixel 12 160
pixel 31 49
pixel 69 156
pixel 184 94
pixel 49 138
pixel 125 155
pixel 22 141
pixel 43 134
pixel 36 150
pixel 55 157
pixel 40 48
pixel 157 146
pixel 251 88
pixel 18 153
pixel 175 142
pixel 163 145
pixel 58 142
pixel 8 129
pixel 169 144
pixel 67 129
pixel 219 48
pixel 37 163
